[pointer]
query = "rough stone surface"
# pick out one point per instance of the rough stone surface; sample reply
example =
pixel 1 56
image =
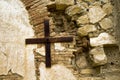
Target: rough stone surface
pixel 51 5
pixel 83 20
pixel 61 53
pixel 72 10
pixel 83 31
pixel 59 47
pixel 87 71
pixel 79 1
pixel 15 28
pixel 96 3
pixel 108 8
pixel 41 50
pixel 63 4
pixel 105 1
pixel 98 56
pixel 90 1
pixel 82 62
pixel 96 14
pixel 102 39
pixel 56 72
pixel 106 23
pixel 90 78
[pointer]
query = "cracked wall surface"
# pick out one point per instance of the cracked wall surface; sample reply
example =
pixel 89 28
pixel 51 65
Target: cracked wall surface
pixel 15 28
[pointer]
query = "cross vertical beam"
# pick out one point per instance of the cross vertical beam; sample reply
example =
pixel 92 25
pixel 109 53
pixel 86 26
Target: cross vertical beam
pixel 47 44
pixel 47 40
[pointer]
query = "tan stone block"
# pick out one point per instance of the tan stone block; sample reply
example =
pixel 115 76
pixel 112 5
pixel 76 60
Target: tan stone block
pixel 105 1
pixel 83 31
pixel 63 4
pixel 96 3
pixel 108 8
pixel 79 1
pixel 96 13
pixel 90 1
pixel 102 39
pixel 72 10
pixel 87 71
pixel 98 56
pixel 106 23
pixel 83 4
pixel 59 47
pixel 83 20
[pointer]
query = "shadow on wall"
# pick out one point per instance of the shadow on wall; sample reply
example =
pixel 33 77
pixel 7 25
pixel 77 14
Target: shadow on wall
pixel 117 19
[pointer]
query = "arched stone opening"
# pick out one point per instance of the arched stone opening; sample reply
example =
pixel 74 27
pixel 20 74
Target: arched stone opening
pixel 98 27
pixel 37 12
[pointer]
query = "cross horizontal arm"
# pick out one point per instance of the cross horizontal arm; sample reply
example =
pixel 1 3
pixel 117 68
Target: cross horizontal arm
pixel 51 40
pixel 61 39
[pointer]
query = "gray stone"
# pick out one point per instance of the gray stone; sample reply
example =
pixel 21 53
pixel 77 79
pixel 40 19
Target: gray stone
pixel 82 62
pixel 106 23
pixel 83 31
pixel 63 4
pixel 83 20
pixel 96 13
pixel 72 10
pixel 98 56
pixel 102 39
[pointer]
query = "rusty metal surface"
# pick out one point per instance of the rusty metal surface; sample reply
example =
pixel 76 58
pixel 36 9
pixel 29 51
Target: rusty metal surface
pixel 47 41
pixel 46 28
pixel 48 54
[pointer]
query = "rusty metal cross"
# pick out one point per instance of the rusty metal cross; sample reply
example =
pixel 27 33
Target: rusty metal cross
pixel 47 40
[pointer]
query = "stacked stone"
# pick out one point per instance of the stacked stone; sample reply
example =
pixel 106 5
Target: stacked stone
pixel 37 13
pixel 93 22
pixel 94 19
pixel 96 22
pixel 90 21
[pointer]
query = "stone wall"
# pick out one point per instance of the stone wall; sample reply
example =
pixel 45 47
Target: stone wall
pixel 91 23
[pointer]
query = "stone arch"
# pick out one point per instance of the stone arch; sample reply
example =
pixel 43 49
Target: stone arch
pixel 37 12
pixel 37 19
